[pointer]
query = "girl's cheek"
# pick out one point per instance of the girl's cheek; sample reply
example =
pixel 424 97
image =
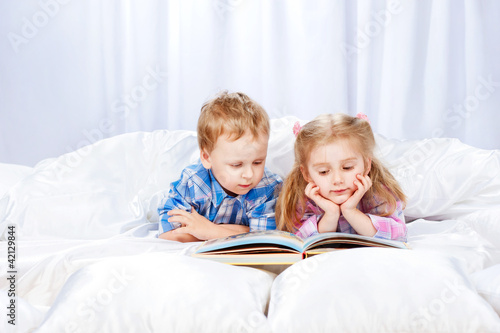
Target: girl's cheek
pixel 321 190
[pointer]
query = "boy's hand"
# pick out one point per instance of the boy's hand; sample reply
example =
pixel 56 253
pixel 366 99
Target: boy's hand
pixel 192 223
pixel 363 183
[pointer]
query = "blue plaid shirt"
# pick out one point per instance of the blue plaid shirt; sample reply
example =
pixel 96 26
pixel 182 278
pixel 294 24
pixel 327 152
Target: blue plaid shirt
pixel 198 188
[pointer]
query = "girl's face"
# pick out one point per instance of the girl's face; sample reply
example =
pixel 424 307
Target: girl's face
pixel 333 168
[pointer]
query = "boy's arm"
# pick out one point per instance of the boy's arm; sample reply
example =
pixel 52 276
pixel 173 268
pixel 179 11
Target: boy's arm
pixel 179 197
pixel 201 228
pixel 234 229
pixel 194 227
pixel 166 226
pixel 183 238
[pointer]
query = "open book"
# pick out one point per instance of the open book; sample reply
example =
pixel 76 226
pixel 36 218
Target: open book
pixel 273 247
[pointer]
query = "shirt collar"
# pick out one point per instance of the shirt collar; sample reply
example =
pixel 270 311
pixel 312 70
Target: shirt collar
pixel 218 193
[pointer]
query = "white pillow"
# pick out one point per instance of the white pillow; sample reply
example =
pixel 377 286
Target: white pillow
pixel 487 283
pixel 455 238
pixel 161 292
pixel 10 174
pixel 442 177
pixel 280 154
pixel 485 222
pixel 378 290
pixel 25 316
pixel 100 190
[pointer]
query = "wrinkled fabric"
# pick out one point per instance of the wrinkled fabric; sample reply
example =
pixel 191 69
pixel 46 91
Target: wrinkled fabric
pixel 117 184
pixel 87 255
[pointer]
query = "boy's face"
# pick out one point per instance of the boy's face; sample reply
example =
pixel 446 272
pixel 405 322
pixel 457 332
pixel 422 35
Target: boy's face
pixel 237 165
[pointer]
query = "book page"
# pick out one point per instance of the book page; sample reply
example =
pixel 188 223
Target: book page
pixel 342 240
pixel 254 239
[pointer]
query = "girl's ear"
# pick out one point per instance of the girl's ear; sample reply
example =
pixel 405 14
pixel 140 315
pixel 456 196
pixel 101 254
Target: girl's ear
pixel 368 166
pixel 305 174
pixel 205 159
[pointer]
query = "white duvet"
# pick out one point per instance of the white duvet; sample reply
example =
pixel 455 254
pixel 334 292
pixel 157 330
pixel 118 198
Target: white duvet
pixel 87 258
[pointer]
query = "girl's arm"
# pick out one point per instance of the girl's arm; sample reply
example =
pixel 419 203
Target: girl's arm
pixel 360 222
pixel 308 227
pixel 330 219
pixel 315 220
pixel 370 221
pixel 329 222
pixel 389 227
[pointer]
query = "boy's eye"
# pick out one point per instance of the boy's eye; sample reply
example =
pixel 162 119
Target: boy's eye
pixel 237 165
pixel 257 162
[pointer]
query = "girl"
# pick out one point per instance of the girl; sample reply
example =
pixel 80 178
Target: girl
pixel 337 184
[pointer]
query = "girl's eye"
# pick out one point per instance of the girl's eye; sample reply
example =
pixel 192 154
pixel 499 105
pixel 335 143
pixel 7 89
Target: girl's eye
pixel 257 162
pixel 323 172
pixel 348 167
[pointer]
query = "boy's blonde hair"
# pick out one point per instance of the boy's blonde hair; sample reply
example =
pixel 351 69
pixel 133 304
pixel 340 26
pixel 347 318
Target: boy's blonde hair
pixel 232 114
pixel 323 130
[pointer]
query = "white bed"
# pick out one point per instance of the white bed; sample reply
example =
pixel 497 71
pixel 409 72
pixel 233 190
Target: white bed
pixel 88 260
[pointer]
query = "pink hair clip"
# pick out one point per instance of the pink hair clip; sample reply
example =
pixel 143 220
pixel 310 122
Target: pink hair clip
pixel 296 128
pixel 363 116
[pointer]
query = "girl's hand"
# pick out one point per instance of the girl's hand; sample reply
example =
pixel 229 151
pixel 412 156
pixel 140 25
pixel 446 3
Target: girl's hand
pixel 356 218
pixel 192 223
pixel 329 221
pixel 363 183
pixel 312 192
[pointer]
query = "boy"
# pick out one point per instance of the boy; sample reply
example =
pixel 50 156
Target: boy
pixel 230 191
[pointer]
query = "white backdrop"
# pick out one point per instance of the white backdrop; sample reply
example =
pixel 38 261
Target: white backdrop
pixel 75 71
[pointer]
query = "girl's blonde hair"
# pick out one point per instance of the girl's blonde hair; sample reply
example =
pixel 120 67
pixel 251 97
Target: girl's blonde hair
pixel 323 130
pixel 232 114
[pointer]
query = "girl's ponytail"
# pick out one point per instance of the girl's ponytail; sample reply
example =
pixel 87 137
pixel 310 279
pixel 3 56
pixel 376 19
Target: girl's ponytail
pixel 386 186
pixel 290 198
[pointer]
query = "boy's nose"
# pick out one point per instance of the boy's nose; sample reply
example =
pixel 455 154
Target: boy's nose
pixel 247 173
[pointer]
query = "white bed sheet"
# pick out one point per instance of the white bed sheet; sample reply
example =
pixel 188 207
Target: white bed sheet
pixel 88 258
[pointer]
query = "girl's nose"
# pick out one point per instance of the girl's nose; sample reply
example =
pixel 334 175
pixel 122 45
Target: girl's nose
pixel 337 178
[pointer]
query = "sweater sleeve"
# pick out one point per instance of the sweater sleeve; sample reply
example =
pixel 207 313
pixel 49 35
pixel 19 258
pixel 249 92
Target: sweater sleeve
pixel 179 197
pixel 308 224
pixel 389 227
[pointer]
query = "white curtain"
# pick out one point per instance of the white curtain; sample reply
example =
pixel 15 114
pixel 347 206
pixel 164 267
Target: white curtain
pixel 73 71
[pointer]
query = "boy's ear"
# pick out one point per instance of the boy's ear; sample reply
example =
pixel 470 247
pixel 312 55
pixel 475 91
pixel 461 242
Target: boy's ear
pixel 205 159
pixel 305 174
pixel 368 166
